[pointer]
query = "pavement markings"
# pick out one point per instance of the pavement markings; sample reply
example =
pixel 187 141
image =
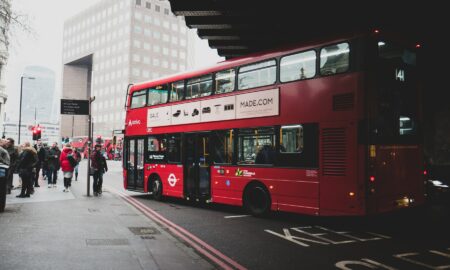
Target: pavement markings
pixel 238 216
pixel 208 251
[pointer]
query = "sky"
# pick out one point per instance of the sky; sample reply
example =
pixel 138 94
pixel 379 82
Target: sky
pixel 43 46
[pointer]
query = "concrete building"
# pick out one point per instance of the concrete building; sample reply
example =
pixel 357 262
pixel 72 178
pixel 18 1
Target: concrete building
pixel 112 44
pixel 5 11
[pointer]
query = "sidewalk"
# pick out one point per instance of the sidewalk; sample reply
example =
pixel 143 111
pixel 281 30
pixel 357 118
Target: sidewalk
pixel 57 230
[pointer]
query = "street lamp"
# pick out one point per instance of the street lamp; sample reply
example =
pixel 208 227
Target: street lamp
pixel 20 106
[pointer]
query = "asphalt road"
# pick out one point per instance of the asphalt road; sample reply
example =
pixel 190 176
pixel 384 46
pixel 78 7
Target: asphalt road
pixel 418 239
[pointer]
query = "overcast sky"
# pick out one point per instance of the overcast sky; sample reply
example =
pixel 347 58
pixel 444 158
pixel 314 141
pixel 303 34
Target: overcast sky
pixel 44 47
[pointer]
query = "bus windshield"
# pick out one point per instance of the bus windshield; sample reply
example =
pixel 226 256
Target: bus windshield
pixel 396 104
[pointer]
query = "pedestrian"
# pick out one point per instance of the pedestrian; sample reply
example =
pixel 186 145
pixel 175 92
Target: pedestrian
pixel 99 167
pixel 53 165
pixel 4 164
pixel 77 157
pixel 13 156
pixel 46 150
pixel 66 166
pixel 41 156
pixel 25 165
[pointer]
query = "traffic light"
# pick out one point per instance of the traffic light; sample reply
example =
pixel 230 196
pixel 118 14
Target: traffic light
pixel 36 133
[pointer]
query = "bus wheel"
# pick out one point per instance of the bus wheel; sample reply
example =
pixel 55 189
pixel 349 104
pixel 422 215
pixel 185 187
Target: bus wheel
pixel 157 189
pixel 257 200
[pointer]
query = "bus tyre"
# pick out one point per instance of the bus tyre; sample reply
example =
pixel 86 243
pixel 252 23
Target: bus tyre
pixel 257 200
pixel 157 189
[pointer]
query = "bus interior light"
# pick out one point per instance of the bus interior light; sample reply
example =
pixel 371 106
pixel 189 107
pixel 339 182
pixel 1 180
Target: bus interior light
pixel 425 172
pixel 372 178
pixel 418 46
pixel 351 194
pixel 376 31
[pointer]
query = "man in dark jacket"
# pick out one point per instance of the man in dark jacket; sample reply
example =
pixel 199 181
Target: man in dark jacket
pixel 13 156
pixel 53 165
pixel 27 161
pixel 99 166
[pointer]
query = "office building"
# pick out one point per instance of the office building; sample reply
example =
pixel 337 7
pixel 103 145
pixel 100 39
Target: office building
pixel 112 44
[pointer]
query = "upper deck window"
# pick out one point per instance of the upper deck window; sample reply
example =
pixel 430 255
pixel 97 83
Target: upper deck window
pixel 298 66
pixel 199 87
pixel 158 95
pixel 225 81
pixel 334 59
pixel 259 74
pixel 176 91
pixel 139 99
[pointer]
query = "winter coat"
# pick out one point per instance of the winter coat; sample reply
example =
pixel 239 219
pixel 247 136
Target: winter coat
pixel 53 159
pixel 4 156
pixel 65 164
pixel 27 159
pixel 98 162
pixel 13 156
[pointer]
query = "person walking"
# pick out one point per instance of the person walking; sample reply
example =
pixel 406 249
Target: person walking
pixel 27 161
pixel 77 157
pixel 41 156
pixel 67 166
pixel 13 156
pixel 99 167
pixel 53 165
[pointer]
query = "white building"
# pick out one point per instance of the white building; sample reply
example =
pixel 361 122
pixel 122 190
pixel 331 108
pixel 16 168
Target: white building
pixel 112 44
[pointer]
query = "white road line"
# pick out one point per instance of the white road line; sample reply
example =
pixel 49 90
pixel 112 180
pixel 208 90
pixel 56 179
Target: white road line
pixel 239 216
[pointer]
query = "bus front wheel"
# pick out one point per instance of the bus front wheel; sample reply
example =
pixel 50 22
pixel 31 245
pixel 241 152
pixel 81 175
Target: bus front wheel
pixel 157 189
pixel 257 200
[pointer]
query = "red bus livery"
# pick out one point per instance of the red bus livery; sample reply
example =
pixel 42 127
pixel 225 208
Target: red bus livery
pixel 324 128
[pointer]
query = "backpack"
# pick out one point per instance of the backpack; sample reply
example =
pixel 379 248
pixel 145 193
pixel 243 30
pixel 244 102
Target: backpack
pixel 73 162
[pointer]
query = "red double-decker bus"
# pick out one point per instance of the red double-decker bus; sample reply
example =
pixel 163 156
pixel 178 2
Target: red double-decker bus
pixel 330 127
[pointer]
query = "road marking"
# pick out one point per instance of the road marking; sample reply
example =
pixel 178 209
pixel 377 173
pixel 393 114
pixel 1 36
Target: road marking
pixel 324 236
pixel 239 216
pixel 208 251
pixel 405 255
pixel 343 265
pixel 379 264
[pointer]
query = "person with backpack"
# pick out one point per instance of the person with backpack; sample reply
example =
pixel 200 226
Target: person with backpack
pixel 67 165
pixel 99 167
pixel 77 157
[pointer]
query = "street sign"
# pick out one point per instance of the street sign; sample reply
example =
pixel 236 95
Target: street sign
pixel 118 131
pixel 74 106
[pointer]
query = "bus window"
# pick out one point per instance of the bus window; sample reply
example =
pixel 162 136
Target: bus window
pixel 291 139
pixel 156 149
pixel 260 74
pixel 158 95
pixel 174 148
pixel 139 99
pixel 225 81
pixel 177 91
pixel 334 59
pixel 298 66
pixel 257 146
pixel 223 146
pixel 199 87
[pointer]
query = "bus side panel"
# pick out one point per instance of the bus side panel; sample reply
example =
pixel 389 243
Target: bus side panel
pixel 292 190
pixel 171 176
pixel 339 191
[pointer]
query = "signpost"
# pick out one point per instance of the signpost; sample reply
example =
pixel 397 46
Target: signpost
pixel 74 107
pixel 81 107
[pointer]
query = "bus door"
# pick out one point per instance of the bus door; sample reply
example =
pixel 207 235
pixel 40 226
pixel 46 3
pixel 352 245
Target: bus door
pixel 197 165
pixel 135 164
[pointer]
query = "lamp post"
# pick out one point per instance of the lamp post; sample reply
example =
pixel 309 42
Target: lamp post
pixel 90 131
pixel 20 105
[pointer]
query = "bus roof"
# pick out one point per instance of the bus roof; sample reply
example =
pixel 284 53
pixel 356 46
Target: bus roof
pixel 238 62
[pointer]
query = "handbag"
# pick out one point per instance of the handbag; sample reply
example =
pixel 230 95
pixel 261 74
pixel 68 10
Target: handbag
pixel 92 170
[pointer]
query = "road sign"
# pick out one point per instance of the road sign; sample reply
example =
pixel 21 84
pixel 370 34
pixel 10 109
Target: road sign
pixel 74 106
pixel 118 131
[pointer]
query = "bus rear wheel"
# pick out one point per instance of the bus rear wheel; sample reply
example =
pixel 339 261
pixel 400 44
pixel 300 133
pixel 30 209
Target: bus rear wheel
pixel 157 189
pixel 257 200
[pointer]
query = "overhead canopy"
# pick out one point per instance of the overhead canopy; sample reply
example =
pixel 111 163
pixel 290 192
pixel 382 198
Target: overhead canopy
pixel 239 27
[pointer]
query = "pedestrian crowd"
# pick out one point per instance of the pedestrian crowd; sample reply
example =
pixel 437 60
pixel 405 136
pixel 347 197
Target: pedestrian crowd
pixel 29 162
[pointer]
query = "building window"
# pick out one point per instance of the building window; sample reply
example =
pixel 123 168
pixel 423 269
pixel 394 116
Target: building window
pixel 166 11
pixel 157 8
pixel 138 2
pixel 148 5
